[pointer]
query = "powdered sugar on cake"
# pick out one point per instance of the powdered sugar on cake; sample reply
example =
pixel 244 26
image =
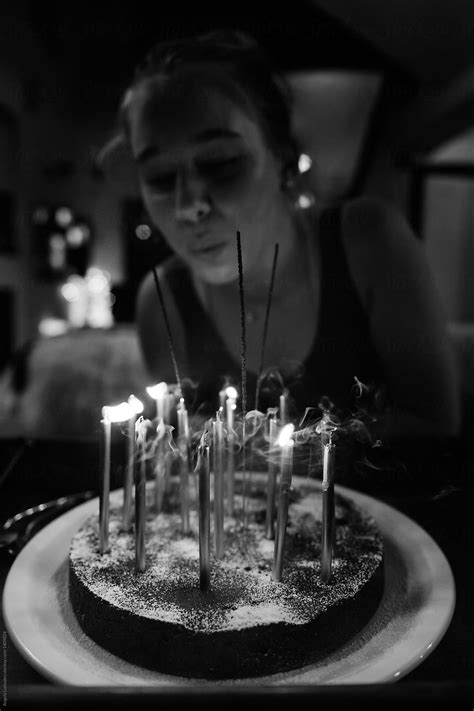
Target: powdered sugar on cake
pixel 242 592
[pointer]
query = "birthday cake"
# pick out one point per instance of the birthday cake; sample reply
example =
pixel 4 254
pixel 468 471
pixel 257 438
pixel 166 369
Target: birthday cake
pixel 246 624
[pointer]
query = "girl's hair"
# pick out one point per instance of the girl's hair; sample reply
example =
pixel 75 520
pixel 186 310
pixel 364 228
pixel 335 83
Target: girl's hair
pixel 241 59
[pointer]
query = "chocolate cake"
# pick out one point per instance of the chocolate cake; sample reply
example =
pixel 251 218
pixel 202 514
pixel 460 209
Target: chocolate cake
pixel 246 624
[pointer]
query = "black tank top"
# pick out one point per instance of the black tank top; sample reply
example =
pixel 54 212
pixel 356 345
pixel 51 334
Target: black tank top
pixel 341 356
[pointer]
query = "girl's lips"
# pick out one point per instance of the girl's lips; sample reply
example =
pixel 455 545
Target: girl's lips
pixel 208 249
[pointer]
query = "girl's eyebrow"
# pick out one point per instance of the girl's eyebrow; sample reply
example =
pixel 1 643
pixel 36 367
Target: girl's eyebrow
pixel 208 134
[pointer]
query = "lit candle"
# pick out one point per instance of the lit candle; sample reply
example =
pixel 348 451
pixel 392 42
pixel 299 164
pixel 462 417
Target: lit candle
pixel 286 472
pixel 183 449
pixel 328 513
pixel 118 413
pixel 230 407
pixel 140 494
pixel 272 477
pixel 136 407
pixel 202 467
pixel 218 466
pixel 160 393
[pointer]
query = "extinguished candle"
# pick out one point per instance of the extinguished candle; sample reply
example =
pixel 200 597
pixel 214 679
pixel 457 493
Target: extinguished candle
pixel 136 407
pixel 183 450
pixel 328 512
pixel 203 470
pixel 286 472
pixel 230 408
pixel 218 467
pixel 140 495
pixel 272 478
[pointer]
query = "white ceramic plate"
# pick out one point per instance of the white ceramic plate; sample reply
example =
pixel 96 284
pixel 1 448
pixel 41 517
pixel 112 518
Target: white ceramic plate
pixel 411 619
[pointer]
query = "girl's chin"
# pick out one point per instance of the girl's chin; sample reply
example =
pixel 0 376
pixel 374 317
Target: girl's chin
pixel 218 276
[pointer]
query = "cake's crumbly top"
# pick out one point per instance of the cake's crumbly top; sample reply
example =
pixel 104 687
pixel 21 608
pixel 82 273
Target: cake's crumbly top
pixel 242 591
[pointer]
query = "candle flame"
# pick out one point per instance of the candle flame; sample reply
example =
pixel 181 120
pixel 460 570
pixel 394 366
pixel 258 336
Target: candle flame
pixel 157 391
pixel 231 392
pixel 135 404
pixel 286 434
pixel 117 413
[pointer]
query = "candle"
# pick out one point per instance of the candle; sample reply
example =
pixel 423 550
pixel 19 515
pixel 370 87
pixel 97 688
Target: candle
pixel 118 413
pixel 183 450
pixel 136 407
pixel 283 408
pixel 230 407
pixel 286 472
pixel 218 466
pixel 328 513
pixel 140 495
pixel 272 478
pixel 105 485
pixel 159 465
pixel 160 393
pixel 202 468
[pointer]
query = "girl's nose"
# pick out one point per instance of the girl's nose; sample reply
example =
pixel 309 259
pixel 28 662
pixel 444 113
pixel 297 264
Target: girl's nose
pixel 192 202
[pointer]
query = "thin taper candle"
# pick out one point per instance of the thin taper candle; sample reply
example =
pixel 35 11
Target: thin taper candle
pixel 159 466
pixel 272 479
pixel 105 487
pixel 243 360
pixel 202 467
pixel 140 497
pixel 183 449
pixel 218 467
pixel 328 512
pixel 286 473
pixel 136 406
pixel 128 479
pixel 230 474
pixel 283 409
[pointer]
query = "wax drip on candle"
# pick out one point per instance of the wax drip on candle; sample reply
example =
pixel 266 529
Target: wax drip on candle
pixel 265 327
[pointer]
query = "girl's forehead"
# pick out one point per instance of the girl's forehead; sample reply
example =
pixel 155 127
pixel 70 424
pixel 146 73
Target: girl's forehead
pixel 161 116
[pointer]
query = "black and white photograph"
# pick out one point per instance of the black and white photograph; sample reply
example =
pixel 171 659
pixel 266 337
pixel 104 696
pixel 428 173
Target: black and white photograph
pixel 237 354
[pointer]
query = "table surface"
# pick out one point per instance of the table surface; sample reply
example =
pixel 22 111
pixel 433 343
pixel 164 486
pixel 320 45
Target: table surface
pixel 432 481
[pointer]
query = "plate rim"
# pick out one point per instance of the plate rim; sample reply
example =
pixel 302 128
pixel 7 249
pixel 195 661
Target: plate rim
pixel 76 516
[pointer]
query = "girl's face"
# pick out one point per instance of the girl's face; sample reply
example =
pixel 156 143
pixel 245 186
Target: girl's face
pixel 205 173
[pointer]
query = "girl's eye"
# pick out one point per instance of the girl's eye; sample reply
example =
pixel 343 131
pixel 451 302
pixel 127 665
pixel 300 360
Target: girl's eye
pixel 221 167
pixel 162 183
